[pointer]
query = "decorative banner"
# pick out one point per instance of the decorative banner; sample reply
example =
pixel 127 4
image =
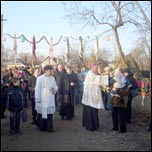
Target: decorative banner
pixel 81 50
pixel 144 86
pixel 33 50
pixel 96 49
pixel 15 45
pixel 67 56
pixel 51 49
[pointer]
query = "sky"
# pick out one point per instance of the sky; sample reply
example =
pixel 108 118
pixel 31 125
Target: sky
pixel 48 19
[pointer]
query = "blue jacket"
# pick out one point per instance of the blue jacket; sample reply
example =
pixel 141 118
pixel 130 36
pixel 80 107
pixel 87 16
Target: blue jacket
pixel 16 98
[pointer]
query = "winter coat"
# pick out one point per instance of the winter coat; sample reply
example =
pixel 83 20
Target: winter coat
pixel 16 99
pixel 65 89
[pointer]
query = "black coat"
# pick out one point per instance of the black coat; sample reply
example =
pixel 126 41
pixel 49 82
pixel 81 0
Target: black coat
pixel 67 94
pixel 16 98
pixel 65 89
pixel 134 85
pixel 3 98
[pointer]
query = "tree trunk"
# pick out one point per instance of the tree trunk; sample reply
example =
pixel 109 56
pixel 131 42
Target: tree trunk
pixel 119 48
pixel 135 63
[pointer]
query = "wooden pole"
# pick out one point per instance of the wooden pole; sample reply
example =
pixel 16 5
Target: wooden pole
pixel 1 32
pixel 2 29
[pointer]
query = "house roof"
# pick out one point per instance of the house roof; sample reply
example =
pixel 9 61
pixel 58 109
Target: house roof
pixel 19 60
pixel 47 60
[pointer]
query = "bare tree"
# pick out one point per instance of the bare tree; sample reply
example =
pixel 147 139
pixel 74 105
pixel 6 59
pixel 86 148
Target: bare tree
pixel 27 58
pixel 138 54
pixel 7 56
pixel 148 22
pixel 114 14
pixel 142 51
pixel 106 55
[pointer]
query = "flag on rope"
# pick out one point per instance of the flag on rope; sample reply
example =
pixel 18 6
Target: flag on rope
pixel 33 50
pixel 96 49
pixel 67 55
pixel 51 49
pixel 81 49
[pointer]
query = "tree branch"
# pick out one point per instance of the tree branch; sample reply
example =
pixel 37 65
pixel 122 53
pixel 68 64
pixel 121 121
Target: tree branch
pixel 119 21
pixel 125 5
pixel 101 22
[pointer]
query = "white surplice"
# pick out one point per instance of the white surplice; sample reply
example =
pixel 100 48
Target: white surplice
pixel 92 91
pixel 44 98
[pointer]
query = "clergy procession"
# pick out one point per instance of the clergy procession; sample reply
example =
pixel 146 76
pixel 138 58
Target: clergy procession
pixel 51 90
pixel 78 86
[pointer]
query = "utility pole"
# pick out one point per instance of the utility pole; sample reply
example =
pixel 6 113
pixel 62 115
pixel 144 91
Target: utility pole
pixel 2 28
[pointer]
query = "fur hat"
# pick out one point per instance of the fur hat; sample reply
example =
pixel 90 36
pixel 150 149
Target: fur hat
pixel 48 67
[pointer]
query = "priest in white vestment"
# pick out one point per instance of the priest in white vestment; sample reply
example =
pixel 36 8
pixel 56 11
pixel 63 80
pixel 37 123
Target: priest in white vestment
pixel 45 90
pixel 92 99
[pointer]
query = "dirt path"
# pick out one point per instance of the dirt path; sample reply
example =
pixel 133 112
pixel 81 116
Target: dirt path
pixel 71 136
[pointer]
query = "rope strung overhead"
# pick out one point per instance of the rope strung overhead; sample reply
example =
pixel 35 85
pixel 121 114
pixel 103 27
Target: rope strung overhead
pixel 23 39
pixel 67 54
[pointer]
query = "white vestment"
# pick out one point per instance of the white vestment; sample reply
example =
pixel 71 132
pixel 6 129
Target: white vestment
pixel 44 98
pixel 92 91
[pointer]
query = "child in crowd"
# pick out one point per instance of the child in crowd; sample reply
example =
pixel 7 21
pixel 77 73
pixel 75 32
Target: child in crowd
pixel 120 81
pixel 16 103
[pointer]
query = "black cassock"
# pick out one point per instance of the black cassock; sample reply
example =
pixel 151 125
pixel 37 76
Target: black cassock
pixel 67 95
pixel 90 118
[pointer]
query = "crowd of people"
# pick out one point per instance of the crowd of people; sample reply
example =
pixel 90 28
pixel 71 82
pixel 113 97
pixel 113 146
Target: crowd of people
pixel 51 89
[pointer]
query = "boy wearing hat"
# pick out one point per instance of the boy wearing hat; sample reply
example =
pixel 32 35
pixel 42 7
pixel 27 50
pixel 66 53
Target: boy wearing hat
pixel 16 103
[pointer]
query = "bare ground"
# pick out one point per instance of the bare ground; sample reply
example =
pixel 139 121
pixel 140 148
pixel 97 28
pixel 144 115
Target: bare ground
pixel 71 136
